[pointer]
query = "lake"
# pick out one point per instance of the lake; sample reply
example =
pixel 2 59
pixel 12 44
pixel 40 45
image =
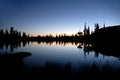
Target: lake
pixel 61 53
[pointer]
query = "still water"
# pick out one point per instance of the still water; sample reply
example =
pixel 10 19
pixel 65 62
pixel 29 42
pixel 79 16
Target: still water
pixel 63 53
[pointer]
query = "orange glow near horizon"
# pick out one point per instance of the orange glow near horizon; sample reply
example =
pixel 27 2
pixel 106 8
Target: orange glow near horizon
pixel 53 34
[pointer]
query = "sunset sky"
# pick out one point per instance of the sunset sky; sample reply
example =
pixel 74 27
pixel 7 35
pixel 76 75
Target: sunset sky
pixel 57 16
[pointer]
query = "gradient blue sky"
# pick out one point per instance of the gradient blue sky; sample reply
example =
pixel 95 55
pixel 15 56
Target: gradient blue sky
pixel 57 16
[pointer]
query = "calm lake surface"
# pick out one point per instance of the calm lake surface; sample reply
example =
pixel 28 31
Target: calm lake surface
pixel 62 53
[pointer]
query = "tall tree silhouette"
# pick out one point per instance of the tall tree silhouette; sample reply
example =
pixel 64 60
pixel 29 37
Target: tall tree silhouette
pixel 24 35
pixel 11 30
pixel 88 31
pixel 85 30
pixel 104 25
pixel 6 34
pixel 96 27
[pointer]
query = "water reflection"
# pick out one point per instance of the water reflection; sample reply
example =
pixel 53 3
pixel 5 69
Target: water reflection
pixel 67 57
pixel 15 45
pixel 60 52
pixel 87 48
pixel 112 51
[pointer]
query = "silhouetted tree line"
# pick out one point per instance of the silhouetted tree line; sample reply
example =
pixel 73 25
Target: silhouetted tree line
pixel 14 35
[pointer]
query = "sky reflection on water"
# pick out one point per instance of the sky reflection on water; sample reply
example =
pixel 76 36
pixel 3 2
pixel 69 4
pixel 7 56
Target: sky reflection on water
pixel 63 54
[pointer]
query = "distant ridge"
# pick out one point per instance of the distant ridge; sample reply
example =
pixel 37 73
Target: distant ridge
pixel 111 27
pixel 109 34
